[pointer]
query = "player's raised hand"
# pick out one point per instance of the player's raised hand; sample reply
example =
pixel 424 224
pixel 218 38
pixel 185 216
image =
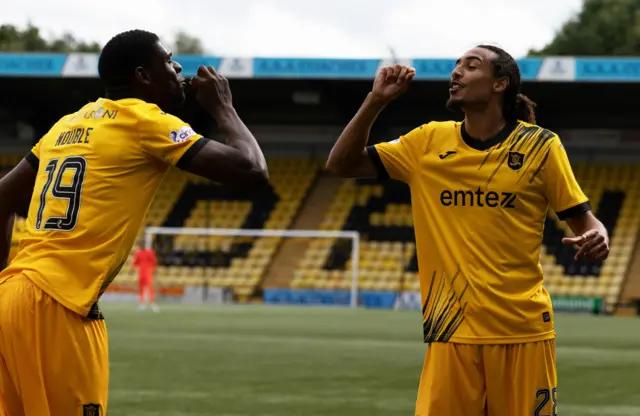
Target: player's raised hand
pixel 392 82
pixel 212 89
pixel 592 245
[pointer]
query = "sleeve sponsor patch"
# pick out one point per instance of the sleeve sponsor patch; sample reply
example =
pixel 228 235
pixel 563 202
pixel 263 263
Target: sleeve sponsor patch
pixel 181 135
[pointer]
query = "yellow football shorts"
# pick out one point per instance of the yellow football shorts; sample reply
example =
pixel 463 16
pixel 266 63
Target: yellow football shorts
pixel 488 380
pixel 53 362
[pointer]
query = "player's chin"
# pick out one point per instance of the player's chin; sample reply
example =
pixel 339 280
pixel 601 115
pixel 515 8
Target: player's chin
pixel 179 98
pixel 454 103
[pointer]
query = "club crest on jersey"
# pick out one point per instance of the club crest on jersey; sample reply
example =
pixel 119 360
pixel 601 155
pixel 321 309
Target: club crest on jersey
pixel 516 160
pixel 181 135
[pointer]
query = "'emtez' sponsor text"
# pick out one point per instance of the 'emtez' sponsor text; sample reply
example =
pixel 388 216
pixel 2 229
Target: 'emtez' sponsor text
pixel 477 198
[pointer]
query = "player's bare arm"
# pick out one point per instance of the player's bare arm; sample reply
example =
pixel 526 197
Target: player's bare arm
pixel 238 162
pixel 348 157
pixel 591 237
pixel 16 188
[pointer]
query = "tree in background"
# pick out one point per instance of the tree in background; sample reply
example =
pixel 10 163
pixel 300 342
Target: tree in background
pixel 12 39
pixel 603 27
pixel 185 44
pixel 30 39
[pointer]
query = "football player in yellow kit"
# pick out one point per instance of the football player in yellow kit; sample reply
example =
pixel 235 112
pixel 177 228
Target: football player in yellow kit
pixel 90 181
pixel 480 190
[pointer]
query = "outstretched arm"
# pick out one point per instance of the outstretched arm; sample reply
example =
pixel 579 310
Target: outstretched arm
pixel 16 188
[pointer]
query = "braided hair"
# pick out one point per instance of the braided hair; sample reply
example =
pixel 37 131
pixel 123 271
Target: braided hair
pixel 515 105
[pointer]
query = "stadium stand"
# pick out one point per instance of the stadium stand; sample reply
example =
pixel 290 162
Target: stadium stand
pixel 297 108
pixel 238 263
pixel 381 212
pixel 613 190
pixel 385 252
pixel 7 162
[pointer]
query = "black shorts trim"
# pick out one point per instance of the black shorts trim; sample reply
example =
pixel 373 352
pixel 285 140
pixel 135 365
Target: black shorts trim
pixel 573 211
pixel 33 160
pixel 377 163
pixel 95 314
pixel 188 156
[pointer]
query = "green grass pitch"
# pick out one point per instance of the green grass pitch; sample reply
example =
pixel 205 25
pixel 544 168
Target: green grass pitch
pixel 274 361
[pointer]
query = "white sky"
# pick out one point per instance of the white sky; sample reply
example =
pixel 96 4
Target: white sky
pixel 309 28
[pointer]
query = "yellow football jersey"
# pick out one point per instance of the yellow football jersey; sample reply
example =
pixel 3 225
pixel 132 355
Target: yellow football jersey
pixel 16 235
pixel 479 209
pixel 98 171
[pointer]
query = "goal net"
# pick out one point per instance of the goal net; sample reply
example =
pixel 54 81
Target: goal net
pixel 243 271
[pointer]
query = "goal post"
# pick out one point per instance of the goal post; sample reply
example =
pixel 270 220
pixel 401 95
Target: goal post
pixel 354 236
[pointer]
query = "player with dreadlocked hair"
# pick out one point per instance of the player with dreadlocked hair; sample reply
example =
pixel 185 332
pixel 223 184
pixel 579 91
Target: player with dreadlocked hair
pixel 480 190
pixel 515 105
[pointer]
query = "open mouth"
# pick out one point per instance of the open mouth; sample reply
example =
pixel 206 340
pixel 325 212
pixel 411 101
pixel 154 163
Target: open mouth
pixel 455 86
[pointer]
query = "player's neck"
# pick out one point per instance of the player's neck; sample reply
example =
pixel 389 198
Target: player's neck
pixel 484 124
pixel 123 93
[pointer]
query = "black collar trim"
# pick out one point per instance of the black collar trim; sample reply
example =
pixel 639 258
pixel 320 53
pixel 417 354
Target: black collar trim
pixel 506 131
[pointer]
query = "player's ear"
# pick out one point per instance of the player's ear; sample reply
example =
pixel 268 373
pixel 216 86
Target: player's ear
pixel 142 75
pixel 501 84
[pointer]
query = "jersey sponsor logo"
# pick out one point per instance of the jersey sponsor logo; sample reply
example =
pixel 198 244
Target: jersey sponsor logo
pixel 181 135
pixel 100 112
pixel 516 160
pixel 446 154
pixel 478 198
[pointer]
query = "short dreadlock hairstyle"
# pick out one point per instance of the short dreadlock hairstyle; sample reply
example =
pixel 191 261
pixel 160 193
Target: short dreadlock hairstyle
pixel 515 105
pixel 122 55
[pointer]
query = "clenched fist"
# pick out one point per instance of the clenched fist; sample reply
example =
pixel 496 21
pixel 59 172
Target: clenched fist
pixel 392 82
pixel 212 89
